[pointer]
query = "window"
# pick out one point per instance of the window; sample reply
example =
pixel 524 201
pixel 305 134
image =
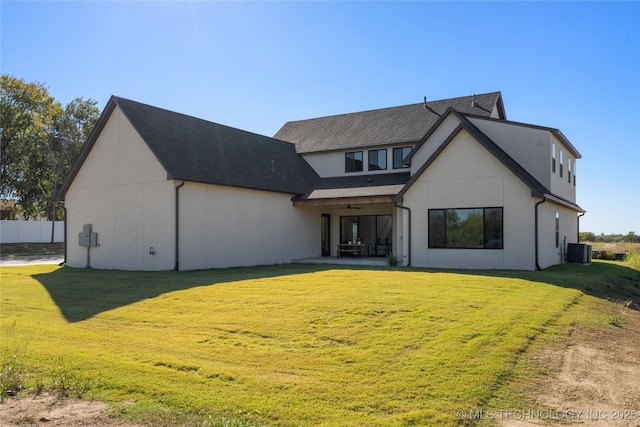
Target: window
pixel 557 229
pixel 479 228
pixel 574 173
pixel 561 164
pixel 353 162
pixel 553 157
pixel 377 160
pixel 569 169
pixel 400 157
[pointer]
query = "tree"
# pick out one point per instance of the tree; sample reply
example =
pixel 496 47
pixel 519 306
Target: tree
pixel 587 236
pixel 28 113
pixel 630 237
pixel 40 143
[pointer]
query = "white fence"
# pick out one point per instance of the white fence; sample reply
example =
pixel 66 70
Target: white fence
pixel 30 231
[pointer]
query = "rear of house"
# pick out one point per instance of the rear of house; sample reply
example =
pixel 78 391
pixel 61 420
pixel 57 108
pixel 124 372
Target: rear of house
pixel 443 184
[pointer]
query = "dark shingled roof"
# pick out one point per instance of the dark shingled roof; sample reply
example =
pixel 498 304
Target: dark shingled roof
pixel 357 185
pixel 197 150
pixel 387 126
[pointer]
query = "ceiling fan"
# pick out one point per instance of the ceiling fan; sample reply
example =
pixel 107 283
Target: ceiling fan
pixel 350 207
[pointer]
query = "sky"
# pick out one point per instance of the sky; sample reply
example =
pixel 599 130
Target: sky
pixel 574 66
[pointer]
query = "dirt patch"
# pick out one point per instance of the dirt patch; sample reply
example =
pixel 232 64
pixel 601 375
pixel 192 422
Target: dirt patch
pixel 595 381
pixel 49 410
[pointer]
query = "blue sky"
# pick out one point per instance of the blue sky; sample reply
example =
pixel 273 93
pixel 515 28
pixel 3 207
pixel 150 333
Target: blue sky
pixel 256 65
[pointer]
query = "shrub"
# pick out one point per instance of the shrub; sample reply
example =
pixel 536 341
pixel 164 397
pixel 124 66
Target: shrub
pixel 393 260
pixel 633 258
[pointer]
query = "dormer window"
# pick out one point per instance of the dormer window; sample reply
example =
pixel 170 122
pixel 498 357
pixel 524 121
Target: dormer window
pixel 400 157
pixel 353 161
pixel 377 160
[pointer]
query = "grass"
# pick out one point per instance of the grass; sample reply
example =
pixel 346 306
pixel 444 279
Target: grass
pixel 299 345
pixel 25 249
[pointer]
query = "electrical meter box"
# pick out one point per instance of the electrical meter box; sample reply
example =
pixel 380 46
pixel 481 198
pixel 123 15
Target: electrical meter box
pixel 87 238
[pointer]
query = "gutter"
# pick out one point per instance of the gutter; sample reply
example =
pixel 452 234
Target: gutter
pixel 409 239
pixel 177 267
pixel 544 199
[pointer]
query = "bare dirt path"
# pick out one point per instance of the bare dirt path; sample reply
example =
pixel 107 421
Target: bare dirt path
pixel 595 380
pixel 49 410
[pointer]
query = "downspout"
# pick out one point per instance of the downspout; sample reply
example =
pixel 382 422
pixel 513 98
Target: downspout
pixel 544 199
pixel 579 216
pixel 177 267
pixel 409 239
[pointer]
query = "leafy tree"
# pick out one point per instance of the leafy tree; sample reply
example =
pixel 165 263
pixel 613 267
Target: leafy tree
pixel 630 237
pixel 40 143
pixel 587 236
pixel 28 113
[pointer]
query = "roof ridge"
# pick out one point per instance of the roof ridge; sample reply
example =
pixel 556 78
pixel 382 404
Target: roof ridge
pixel 394 107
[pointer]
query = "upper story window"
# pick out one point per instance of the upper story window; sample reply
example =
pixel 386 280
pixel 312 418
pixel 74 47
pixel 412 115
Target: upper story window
pixel 553 157
pixel 377 160
pixel 574 173
pixel 569 169
pixel 400 157
pixel 353 161
pixel 561 164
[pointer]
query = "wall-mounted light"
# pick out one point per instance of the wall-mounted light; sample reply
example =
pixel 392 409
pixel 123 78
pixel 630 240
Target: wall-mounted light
pixel 152 250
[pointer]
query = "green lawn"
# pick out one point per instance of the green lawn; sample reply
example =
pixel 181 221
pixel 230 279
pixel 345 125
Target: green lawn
pixel 299 345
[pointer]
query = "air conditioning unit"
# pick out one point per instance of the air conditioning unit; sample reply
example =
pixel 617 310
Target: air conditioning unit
pixel 578 253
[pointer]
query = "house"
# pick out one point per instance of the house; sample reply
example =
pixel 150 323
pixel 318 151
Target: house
pixel 449 183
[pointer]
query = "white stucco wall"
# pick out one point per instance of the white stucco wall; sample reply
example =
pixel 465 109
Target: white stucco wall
pixel 426 150
pixel 549 254
pixel 561 186
pixel 226 226
pixel 124 193
pixel 465 175
pixel 528 146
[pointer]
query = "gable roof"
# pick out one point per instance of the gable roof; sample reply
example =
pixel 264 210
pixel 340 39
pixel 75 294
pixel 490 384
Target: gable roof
pixel 387 126
pixel 537 189
pixel 197 150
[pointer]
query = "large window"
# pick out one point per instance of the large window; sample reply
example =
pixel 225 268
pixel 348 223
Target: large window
pixel 400 157
pixel 377 160
pixel 353 161
pixel 478 228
